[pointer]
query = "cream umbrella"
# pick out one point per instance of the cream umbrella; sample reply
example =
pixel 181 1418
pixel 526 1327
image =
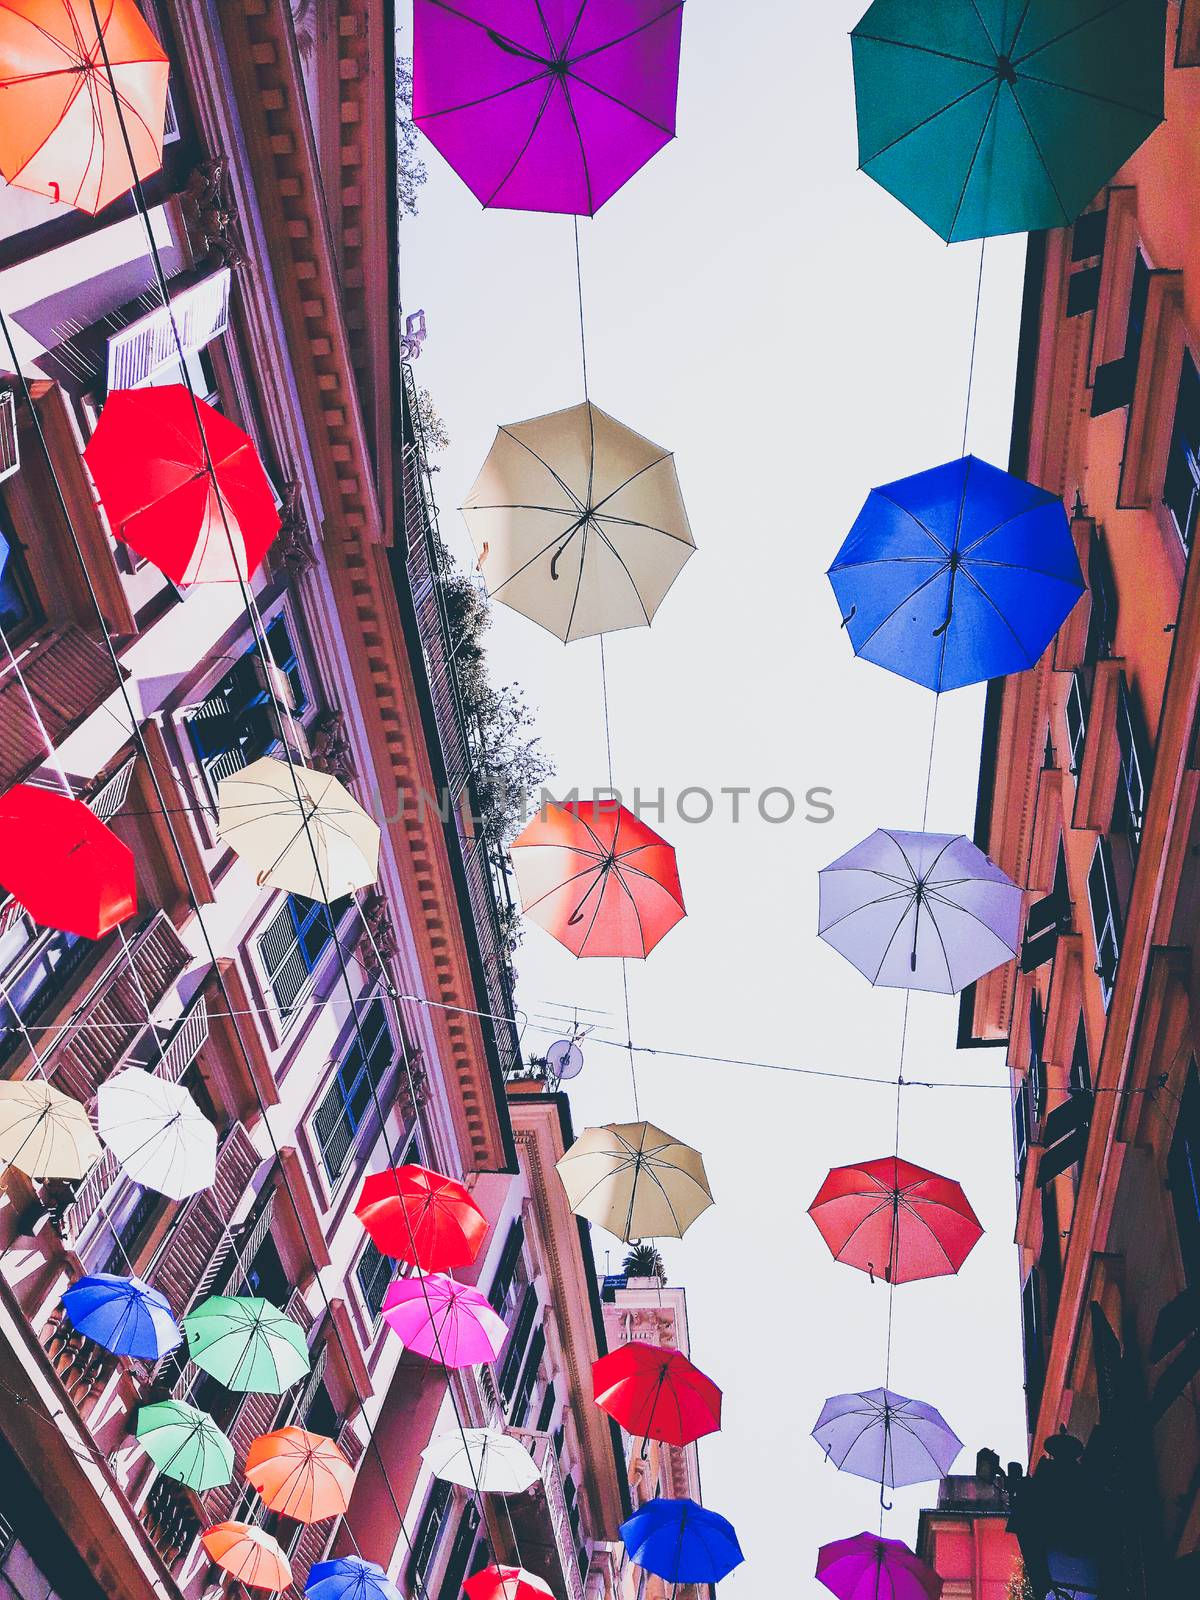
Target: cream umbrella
pixel 578 522
pixel 43 1132
pixel 635 1180
pixel 157 1132
pixel 322 845
pixel 482 1458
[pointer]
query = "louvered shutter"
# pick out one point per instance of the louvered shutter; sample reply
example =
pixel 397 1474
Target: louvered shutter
pixel 198 312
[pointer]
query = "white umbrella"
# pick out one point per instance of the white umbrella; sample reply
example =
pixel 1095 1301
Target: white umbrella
pixel 157 1132
pixel 482 1458
pixel 43 1132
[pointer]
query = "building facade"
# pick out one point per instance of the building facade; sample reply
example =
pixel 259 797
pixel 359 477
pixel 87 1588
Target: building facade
pixel 965 1537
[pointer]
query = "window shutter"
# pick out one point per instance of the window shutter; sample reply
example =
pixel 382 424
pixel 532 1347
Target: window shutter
pixel 1183 462
pixel 146 345
pixel 460 1554
pixel 1066 1135
pixel 1102 630
pixel 255 1414
pixel 1076 720
pixel 425 1541
pixel 1135 756
pixel 10 450
pixel 1042 928
pixel 1087 236
pixel 68 677
pixel 1083 292
pixel 508 1265
pixel 517 1341
pixel 1102 903
pixel 529 1374
pixel 332 1128
pixel 287 969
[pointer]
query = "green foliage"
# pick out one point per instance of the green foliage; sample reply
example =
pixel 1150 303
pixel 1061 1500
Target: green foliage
pixel 644 1261
pixel 410 169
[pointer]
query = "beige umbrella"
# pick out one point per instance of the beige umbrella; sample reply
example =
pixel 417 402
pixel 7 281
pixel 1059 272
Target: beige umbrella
pixel 578 522
pixel 322 845
pixel 43 1132
pixel 635 1180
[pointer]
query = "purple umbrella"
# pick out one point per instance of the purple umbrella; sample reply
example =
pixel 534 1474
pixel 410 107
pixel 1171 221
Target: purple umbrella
pixel 546 105
pixel 919 910
pixel 870 1567
pixel 886 1437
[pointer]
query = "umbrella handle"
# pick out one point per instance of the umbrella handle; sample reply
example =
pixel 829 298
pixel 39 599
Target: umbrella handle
pixel 938 632
pixel 886 1504
pixel 849 617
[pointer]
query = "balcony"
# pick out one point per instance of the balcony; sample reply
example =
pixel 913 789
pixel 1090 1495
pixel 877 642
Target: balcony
pixel 541 1523
pixel 66 676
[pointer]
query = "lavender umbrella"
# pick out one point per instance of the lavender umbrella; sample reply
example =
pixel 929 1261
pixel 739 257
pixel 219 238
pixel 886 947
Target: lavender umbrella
pixel 919 910
pixel 546 105
pixel 870 1567
pixel 886 1437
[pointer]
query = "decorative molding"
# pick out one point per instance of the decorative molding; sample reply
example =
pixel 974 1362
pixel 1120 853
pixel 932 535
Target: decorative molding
pixel 213 216
pixel 293 551
pixel 332 752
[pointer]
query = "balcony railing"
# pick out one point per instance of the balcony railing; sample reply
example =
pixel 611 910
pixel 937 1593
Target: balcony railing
pixel 541 1448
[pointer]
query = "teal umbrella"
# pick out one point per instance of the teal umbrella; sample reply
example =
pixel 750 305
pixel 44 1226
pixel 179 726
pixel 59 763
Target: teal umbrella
pixel 1001 116
pixel 246 1343
pixel 185 1443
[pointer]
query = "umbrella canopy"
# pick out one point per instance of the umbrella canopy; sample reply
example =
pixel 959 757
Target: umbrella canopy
pixel 421 1217
pixel 956 575
pixel 125 1315
pixel 506 1583
pixel 157 1132
pixel 895 1220
pixel 299 1474
pixel 919 910
pixel 185 1444
pixel 43 1132
pixel 446 1321
pixel 635 1180
pixel 320 844
pixel 870 1567
pixel 59 860
pixel 60 134
pixel 248 1554
pixel 150 467
pixel 987 118
pixel 349 1578
pixel 680 1542
pixel 657 1393
pixel 596 877
pixel 579 522
pixel 482 1458
pixel 886 1437
pixel 246 1343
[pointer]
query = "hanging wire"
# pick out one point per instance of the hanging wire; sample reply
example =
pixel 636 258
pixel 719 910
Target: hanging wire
pixel 974 338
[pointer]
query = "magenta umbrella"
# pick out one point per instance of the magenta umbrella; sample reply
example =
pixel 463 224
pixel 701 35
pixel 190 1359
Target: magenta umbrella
pixel 870 1567
pixel 446 1321
pixel 546 105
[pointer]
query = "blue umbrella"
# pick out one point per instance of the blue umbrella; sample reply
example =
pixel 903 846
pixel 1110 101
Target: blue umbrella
pixel 681 1542
pixel 957 574
pixel 349 1578
pixel 124 1315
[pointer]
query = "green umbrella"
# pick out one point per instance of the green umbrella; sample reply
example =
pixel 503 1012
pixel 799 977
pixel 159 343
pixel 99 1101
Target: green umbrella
pixel 997 116
pixel 246 1343
pixel 185 1443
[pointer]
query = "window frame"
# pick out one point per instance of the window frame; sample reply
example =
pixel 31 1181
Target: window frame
pixel 1191 453
pixel 367 1073
pixel 1183 1176
pixel 1107 930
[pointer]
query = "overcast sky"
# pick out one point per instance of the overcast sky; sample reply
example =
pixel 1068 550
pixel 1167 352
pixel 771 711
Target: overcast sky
pixel 758 306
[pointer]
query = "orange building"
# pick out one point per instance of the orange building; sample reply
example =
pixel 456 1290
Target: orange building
pixel 965 1537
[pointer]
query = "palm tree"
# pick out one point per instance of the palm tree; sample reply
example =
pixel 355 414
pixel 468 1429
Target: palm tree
pixel 644 1261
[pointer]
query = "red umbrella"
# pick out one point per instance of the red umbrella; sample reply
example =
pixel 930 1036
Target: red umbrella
pixel 506 1583
pixel 656 1392
pixel 896 1220
pixel 422 1217
pixel 64 866
pixel 597 878
pixel 152 475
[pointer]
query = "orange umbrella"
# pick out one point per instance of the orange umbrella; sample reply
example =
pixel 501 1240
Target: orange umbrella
pixel 60 133
pixel 248 1554
pixel 301 1475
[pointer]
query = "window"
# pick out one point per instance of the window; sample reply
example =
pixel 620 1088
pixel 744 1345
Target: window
pixel 1076 718
pixel 1087 244
pixel 237 722
pixel 374 1272
pixel 425 1540
pixel 529 1374
pixel 517 1341
pixel 264 1277
pixel 350 1098
pixel 1115 380
pixel 320 1415
pixel 1037 1067
pixel 1065 1136
pixel 1102 587
pixel 19 610
pixel 146 348
pixel 505 1271
pixel 1183 1176
pixel 1031 1329
pixel 293 943
pixel 1021 1127
pixel 460 1553
pixel 1106 917
pixel 36 964
pixel 1048 918
pixel 546 1410
pixel 1181 486
pixel 1135 764
pixel 1080 1077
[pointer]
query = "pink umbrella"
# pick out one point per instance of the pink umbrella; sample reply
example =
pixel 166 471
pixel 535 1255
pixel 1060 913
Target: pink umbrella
pixel 870 1567
pixel 446 1321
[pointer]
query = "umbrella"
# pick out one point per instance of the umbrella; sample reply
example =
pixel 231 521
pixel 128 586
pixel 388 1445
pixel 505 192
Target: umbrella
pixel 919 910
pixel 680 1542
pixel 248 1554
pixel 870 1567
pixel 246 1343
pixel 421 1217
pixel 299 1474
pixel 151 471
pixel 578 522
pixel 125 1315
pixel 957 574
pixel 64 866
pixel 443 1320
pixel 895 1220
pixel 546 108
pixel 60 134
pixel 597 878
pixel 185 1444
pixel 482 1458
pixel 635 1180
pixel 656 1392
pixel 886 1437
pixel 320 843
pixel 349 1578
pixel 506 1583
pixel 157 1132
pixel 43 1132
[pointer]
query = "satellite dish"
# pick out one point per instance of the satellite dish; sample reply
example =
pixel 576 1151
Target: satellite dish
pixel 564 1058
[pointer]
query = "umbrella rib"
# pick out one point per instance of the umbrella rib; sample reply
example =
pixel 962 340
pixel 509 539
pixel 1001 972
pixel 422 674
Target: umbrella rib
pixel 624 104
pixel 962 194
pixel 561 482
pixel 1059 37
pixel 1029 660
pixel 483 99
pixel 523 151
pixel 632 581
pixel 636 911
pixel 992 45
pixel 667 455
pixel 587 180
pixel 611 44
pixel 1088 94
pixel 900 605
pixel 583 536
pixel 501 40
pixel 546 25
pixel 648 527
pixel 920 49
pixel 1037 150
pixel 930 1230
pixel 562 537
pixel 932 117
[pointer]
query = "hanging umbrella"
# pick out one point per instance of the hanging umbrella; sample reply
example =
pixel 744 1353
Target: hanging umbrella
pixel 421 1217
pixel 322 844
pixel 635 1180
pixel 185 1444
pixel 125 1315
pixel 151 469
pixel 43 1132
pixel 919 910
pixel 597 878
pixel 886 1437
pixel 482 1458
pixel 299 1474
pixel 680 1542
pixel 987 119
pixel 656 1393
pixel 60 132
pixel 248 1554
pixel 443 1320
pixel 895 1220
pixel 349 1578
pixel 870 1567
pixel 246 1343
pixel 579 522
pixel 957 574
pixel 506 1583
pixel 58 859
pixel 157 1132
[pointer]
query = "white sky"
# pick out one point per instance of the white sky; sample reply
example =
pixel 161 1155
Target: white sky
pixel 760 307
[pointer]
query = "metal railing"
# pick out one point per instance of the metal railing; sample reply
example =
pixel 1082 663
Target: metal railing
pixel 541 1448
